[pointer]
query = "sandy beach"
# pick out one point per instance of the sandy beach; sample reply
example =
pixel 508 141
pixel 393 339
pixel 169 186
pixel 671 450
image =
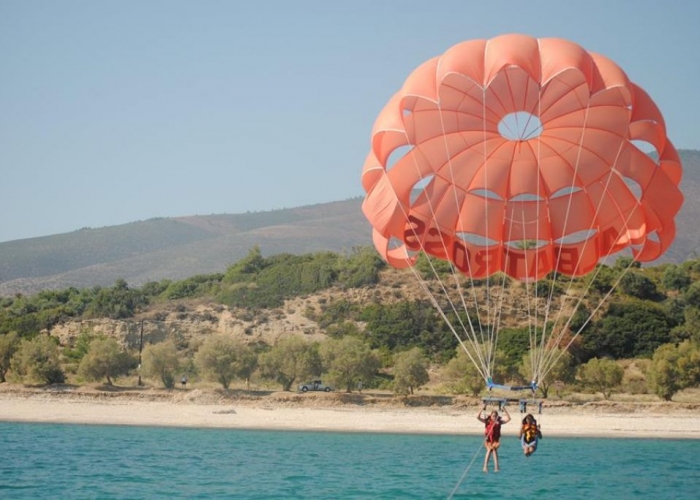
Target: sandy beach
pixel 322 412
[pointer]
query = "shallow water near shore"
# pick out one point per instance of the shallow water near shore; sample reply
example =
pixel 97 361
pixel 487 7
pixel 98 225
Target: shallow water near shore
pixel 92 461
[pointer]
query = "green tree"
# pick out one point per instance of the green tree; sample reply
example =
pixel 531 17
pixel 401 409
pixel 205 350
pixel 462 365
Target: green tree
pixel 223 358
pixel 674 368
pixel 37 361
pixel 410 371
pixel 349 361
pixel 692 295
pixel 9 343
pixel 462 376
pixel 637 285
pixel 602 279
pixel 602 375
pixel 676 278
pixel 513 344
pixel 408 324
pixel 290 359
pixel 74 355
pixel 117 302
pixel 105 358
pixel 161 361
pixel 629 330
pixel 562 371
pixel 360 269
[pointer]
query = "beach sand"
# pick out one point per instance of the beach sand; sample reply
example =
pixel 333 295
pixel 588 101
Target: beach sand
pixel 318 412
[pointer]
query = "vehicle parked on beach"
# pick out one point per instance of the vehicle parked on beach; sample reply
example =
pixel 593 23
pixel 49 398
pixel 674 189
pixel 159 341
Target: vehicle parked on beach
pixel 316 385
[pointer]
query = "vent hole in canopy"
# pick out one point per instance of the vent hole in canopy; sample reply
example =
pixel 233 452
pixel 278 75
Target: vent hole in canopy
pixel 520 126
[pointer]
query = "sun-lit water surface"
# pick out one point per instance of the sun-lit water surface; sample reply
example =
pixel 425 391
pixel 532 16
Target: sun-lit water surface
pixel 78 461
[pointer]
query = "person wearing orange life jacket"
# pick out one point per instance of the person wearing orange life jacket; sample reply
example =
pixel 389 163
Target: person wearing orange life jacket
pixel 492 432
pixel 529 435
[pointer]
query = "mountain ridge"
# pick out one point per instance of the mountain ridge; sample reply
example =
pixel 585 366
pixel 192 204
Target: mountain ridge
pixel 180 247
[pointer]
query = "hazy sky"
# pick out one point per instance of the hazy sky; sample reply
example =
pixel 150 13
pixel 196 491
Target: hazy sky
pixel 118 111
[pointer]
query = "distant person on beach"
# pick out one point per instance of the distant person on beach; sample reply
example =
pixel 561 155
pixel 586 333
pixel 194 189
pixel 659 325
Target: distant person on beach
pixel 492 432
pixel 183 380
pixel 529 435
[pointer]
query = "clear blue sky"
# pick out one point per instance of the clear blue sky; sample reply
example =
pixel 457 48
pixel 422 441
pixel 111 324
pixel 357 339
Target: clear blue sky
pixel 113 112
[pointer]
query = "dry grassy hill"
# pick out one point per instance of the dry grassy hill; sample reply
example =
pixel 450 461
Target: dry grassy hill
pixel 182 247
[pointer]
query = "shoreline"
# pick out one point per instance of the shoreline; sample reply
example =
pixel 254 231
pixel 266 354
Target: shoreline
pixel 332 413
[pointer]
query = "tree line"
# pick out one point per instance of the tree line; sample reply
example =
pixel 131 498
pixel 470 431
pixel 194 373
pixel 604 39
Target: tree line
pixel 653 316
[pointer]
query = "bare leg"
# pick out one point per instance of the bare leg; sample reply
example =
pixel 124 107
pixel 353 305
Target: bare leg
pixel 488 455
pixel 495 460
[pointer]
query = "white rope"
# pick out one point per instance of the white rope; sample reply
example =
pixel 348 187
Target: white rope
pixel 466 471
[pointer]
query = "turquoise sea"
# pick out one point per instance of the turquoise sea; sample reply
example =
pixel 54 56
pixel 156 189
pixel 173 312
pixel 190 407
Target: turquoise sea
pixel 79 461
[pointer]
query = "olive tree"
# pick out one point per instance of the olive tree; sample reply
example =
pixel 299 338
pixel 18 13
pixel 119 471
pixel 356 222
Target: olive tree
pixel 223 358
pixel 410 371
pixel 106 359
pixel 601 375
pixel 349 361
pixel 161 361
pixel 290 359
pixel 37 361
pixel 9 343
pixel 561 371
pixel 462 376
pixel 674 368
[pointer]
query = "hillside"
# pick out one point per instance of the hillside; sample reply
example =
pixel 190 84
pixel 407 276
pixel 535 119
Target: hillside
pixel 177 248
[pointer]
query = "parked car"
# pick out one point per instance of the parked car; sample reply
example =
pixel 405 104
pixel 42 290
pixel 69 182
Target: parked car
pixel 316 385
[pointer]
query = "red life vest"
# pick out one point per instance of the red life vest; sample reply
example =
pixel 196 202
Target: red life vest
pixel 493 429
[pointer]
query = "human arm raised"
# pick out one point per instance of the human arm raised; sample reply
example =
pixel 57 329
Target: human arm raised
pixel 479 417
pixel 506 419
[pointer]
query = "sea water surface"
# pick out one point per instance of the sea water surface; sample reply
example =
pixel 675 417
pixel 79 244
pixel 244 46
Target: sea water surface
pixel 91 461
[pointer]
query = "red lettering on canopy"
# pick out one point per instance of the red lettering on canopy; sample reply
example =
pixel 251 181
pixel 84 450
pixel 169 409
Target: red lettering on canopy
pixel 608 239
pixel 484 259
pixel 414 230
pixel 460 256
pixel 568 259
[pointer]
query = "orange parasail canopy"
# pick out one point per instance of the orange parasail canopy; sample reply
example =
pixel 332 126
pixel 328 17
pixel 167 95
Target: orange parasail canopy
pixel 520 155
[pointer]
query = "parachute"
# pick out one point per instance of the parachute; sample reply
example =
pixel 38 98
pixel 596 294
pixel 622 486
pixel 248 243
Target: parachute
pixel 524 158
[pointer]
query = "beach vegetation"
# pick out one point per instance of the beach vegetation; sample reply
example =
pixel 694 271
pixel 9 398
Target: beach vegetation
pixel 349 361
pixel 410 371
pixel 161 361
pixel 223 358
pixel 355 296
pixel 9 343
pixel 37 361
pixel 562 371
pixel 73 355
pixel 674 368
pixel 462 376
pixel 601 374
pixel 105 359
pixel 289 360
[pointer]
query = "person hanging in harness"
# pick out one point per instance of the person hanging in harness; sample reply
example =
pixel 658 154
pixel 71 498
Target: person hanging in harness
pixel 529 435
pixel 492 433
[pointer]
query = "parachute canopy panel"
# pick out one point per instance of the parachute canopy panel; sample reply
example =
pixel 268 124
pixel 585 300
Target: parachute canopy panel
pixel 528 147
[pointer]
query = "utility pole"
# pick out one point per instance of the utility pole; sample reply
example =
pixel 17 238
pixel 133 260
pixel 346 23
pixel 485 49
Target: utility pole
pixel 140 350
